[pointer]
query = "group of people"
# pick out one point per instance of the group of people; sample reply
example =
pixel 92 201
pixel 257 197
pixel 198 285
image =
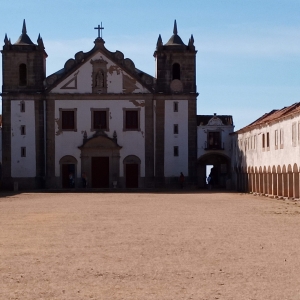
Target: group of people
pixel 72 181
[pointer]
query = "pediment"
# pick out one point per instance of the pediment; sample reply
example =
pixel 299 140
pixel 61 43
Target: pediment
pixel 215 121
pixel 99 72
pixel 100 141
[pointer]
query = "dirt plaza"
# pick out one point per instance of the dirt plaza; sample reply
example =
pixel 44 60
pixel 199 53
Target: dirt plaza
pixel 184 245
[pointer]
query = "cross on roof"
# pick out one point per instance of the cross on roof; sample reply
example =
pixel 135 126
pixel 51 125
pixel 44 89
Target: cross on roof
pixel 99 28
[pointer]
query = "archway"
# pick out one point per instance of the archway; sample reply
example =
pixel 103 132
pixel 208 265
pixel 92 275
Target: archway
pixel 220 172
pixel 296 181
pixel 68 171
pixel 132 171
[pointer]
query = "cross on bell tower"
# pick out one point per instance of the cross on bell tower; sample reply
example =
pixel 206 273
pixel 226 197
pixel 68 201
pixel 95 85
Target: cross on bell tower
pixel 99 28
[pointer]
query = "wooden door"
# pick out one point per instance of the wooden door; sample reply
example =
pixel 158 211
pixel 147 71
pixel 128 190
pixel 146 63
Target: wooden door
pixel 132 175
pixel 100 172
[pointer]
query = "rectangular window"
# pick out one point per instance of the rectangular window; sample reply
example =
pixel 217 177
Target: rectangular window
pixel 176 151
pixel 23 130
pixel 175 129
pixel 263 141
pixel 99 119
pixel 131 119
pixel 276 139
pixel 268 141
pixel 294 134
pixel 175 106
pixel 254 142
pixel 22 106
pixel 23 151
pixel 68 119
pixel 281 138
pixel 214 140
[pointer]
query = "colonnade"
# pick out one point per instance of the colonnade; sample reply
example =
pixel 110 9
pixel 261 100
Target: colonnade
pixel 276 181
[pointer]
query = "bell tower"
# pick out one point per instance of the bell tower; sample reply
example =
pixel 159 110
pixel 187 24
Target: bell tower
pixel 23 112
pixel 24 64
pixel 175 65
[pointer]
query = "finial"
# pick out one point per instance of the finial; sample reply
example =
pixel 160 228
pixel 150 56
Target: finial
pixel 24 31
pixel 5 39
pixel 40 41
pixel 191 41
pixel 115 136
pixel 159 41
pixel 175 28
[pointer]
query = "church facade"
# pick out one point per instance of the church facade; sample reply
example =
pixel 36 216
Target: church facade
pixel 99 117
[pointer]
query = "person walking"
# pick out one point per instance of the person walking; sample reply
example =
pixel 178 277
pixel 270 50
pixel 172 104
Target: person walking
pixel 181 180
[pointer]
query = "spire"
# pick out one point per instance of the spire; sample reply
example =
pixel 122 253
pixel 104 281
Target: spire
pixel 5 39
pixel 175 28
pixel 24 31
pixel 159 41
pixel 40 42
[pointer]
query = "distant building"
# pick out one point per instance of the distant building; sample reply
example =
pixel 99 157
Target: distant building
pixel 265 156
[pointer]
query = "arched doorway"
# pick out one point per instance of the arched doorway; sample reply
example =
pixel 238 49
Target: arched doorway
pixel 132 171
pixel 68 171
pixel 220 171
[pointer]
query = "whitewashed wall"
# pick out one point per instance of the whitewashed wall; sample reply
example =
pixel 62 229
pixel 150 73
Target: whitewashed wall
pixel 23 166
pixel 248 155
pixel 84 79
pixel 175 164
pixel 67 142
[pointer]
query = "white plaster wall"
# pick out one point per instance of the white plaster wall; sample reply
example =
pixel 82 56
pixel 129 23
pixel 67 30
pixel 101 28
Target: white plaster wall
pixel 23 166
pixel 225 137
pixel 260 157
pixel 132 142
pixel 175 164
pixel 84 78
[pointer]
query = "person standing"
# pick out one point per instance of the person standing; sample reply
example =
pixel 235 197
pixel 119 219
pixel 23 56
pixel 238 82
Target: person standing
pixel 181 180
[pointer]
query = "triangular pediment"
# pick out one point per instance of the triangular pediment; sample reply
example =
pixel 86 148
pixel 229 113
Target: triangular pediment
pixel 99 72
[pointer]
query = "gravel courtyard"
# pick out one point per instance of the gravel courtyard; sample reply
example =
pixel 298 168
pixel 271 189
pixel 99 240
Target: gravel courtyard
pixel 148 246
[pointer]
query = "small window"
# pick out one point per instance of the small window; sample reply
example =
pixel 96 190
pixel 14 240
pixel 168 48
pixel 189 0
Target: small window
pixel 99 119
pixel 263 140
pixel 175 106
pixel 176 151
pixel 268 140
pixel 22 75
pixel 176 71
pixel 281 138
pixel 254 142
pixel 23 130
pixel 23 151
pixel 68 119
pixel 276 139
pixel 175 129
pixel 22 106
pixel 294 134
pixel 131 119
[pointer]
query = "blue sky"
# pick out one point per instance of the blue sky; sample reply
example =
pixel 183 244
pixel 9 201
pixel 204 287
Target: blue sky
pixel 248 59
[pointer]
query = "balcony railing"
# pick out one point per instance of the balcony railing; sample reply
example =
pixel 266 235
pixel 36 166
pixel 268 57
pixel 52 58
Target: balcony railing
pixel 214 146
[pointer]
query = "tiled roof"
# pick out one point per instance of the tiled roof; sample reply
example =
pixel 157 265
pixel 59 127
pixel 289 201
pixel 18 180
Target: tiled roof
pixel 204 119
pixel 272 116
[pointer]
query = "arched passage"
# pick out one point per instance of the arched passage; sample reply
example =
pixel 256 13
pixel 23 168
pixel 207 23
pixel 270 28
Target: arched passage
pixel 279 182
pixel 220 171
pixel 68 171
pixel 132 171
pixel 296 181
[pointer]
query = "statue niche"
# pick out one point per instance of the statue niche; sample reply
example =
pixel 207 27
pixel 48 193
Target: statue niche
pixel 99 76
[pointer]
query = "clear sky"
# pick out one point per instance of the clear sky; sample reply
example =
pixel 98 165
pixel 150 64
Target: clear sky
pixel 248 59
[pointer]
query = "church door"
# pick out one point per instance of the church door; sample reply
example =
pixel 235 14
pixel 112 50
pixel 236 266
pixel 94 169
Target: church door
pixel 100 172
pixel 66 170
pixel 132 175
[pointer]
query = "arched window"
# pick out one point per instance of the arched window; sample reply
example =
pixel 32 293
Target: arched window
pixel 176 71
pixel 22 74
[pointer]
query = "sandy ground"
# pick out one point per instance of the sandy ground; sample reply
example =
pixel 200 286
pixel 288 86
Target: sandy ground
pixel 148 246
